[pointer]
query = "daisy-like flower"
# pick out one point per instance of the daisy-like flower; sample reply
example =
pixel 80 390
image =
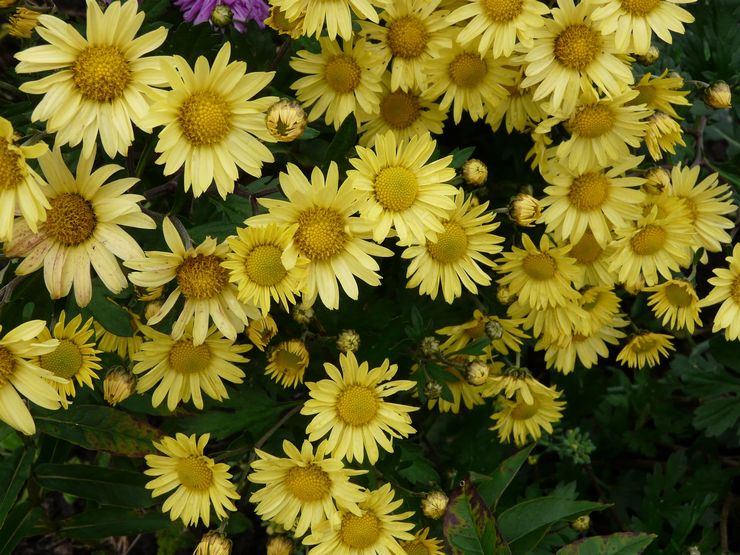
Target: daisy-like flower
pixel 632 22
pixel 645 349
pixel 376 530
pixel 422 544
pixel 540 277
pixel 600 304
pixel 592 261
pixel 256 266
pixel 499 23
pixel 201 280
pixel 550 323
pixel 181 370
pixel 597 200
pixel 517 109
pixel 303 488
pixel 521 419
pixel 660 93
pixel 123 346
pixel 653 246
pixel 455 258
pixel 663 133
pixel 339 80
pixel 261 330
pixel 333 240
pixel 461 335
pixel 21 188
pixel 287 362
pixel 513 381
pixel 411 34
pixel 82 228
pixel 75 359
pixel 467 79
pixel 20 374
pixel 401 189
pixel 676 303
pixel 352 408
pixel 335 17
pixel 101 83
pixel 210 124
pixel 726 290
pixel 199 481
pixel 463 393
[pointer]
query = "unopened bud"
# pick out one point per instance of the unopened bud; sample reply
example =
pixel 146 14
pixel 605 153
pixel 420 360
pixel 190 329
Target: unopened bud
pixel 649 57
pixel 656 180
pixel 477 372
pixel 286 120
pixel 718 95
pixel 533 460
pixel 429 346
pixel 213 543
pixel 119 384
pixel 432 390
pixel 581 524
pixel 151 309
pixel 503 295
pixel 474 172
pixel 302 313
pixel 494 330
pixel 525 210
pixel 434 505
pixel 222 16
pixel 348 341
pixel 279 545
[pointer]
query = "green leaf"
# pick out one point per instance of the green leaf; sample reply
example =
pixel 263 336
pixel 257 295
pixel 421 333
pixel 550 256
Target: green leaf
pixel 460 156
pixel 107 486
pixel 21 523
pixel 492 488
pixel 109 314
pixel 14 472
pixel 528 516
pixel 111 521
pixel 475 348
pixel 622 543
pixel 344 139
pixel 469 526
pixel 98 428
pixel 715 416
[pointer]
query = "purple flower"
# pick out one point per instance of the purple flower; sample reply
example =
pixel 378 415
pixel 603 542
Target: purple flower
pixel 198 11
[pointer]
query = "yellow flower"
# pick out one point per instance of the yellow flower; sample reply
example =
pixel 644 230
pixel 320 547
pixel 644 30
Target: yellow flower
pixel 462 335
pixel 422 544
pixel 123 346
pixel 550 323
pixel 718 95
pixel 21 188
pixel 21 374
pixel 645 349
pixel 676 302
pixel 335 16
pixel 434 504
pixel 662 135
pixel 287 362
pixel 181 370
pixel 592 261
pixel 279 21
pixel 517 108
pixel 22 23
pixel 198 480
pixel 474 172
pixel 119 384
pixel 726 290
pixel 402 189
pixel 304 488
pixel 286 120
pixel 462 392
pixel 82 228
pixel 261 331
pixel 515 381
pixel 524 210
pixel 659 93
pixel 521 419
pixel 279 545
pixel 101 84
pixel 213 543
pixel 351 406
pixel 333 240
pixel 210 124
pixel 454 259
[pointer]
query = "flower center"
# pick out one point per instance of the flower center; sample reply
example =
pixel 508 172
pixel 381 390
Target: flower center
pixel 467 70
pixel 11 166
pixel 7 365
pixel 577 46
pixel 264 267
pixel 678 295
pixel 320 234
pixel 357 405
pixel 101 73
pixel 288 361
pixel 70 220
pixel 592 121
pixel 639 7
pixel 589 191
pixel 396 188
pixel 523 411
pixel 540 266
pixel 649 240
pixel 734 292
pixel 644 343
pixel 205 118
pixel 343 73
pixel 202 276
pixel 415 548
pixel 186 358
pixel 408 37
pixel 400 109
pixel 451 244
pixel 194 472
pixel 501 11
pixel 360 531
pixel 587 250
pixel 308 483
pixel 65 361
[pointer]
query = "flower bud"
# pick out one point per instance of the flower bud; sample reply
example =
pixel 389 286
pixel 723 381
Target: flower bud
pixel 286 120
pixel 434 505
pixel 279 545
pixel 119 384
pixel 581 524
pixel 432 390
pixel 22 23
pixel 474 172
pixel 718 95
pixel 348 341
pixel 302 313
pixel 503 295
pixel 649 57
pixel 524 209
pixel 494 330
pixel 656 180
pixel 151 309
pixel 477 372
pixel 222 16
pixel 429 346
pixel 213 543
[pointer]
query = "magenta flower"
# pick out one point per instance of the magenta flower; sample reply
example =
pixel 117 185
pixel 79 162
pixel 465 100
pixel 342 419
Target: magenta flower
pixel 199 11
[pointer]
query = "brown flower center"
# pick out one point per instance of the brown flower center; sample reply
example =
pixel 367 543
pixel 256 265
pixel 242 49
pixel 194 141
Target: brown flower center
pixel 202 276
pixel 467 70
pixel 11 166
pixel 407 37
pixel 70 220
pixel 342 73
pixel 400 109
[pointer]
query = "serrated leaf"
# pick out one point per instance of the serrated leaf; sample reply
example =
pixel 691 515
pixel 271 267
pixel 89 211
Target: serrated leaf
pixel 715 416
pixel 14 472
pixel 20 523
pixel 111 521
pixel 622 543
pixel 530 515
pixel 469 526
pixel 492 487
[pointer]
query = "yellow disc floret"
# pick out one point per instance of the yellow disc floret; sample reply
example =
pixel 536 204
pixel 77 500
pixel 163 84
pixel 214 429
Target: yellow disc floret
pixel 101 73
pixel 71 219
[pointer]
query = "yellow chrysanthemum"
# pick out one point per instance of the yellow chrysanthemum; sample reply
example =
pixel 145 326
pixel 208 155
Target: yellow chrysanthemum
pixel 22 23
pixel 632 22
pixel 455 258
pixel 645 349
pixel 401 189
pixel 303 488
pixel 75 359
pixel 82 228
pixel 422 544
pixel 499 23
pixel 21 188
pixel 592 261
pixel 261 330
pixel 550 323
pixel 199 482
pixel 181 370
pixel 287 362
pixel 374 531
pixel 123 346
pixel 570 55
pixel 676 303
pixel 515 381
pixel 210 124
pixel 352 408
pixel 462 392
pixel 663 133
pixel 517 109
pixel 726 290
pixel 20 374
pixel 521 419
pixel 660 93
pixel 461 335
pixel 335 16
pixel 339 80
pixel 101 84
pixel 333 240
pixel 600 305
pixel 201 280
